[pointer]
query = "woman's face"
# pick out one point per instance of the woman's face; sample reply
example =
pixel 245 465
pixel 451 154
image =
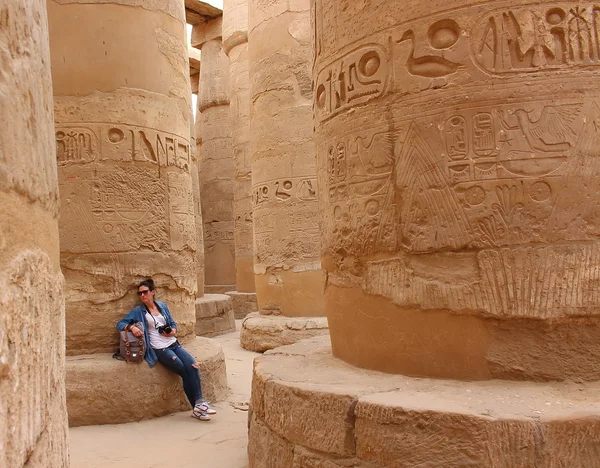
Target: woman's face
pixel 146 296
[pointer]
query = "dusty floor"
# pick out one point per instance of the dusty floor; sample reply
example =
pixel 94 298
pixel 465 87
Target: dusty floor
pixel 177 441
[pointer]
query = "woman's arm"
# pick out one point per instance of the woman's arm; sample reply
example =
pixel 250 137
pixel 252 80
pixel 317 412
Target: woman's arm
pixel 127 320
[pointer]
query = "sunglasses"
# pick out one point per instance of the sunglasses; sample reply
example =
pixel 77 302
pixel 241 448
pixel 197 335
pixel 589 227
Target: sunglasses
pixel 141 293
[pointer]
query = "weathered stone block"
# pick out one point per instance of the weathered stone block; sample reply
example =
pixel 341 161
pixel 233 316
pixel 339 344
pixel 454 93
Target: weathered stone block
pixel 266 449
pixel 403 422
pixel 243 303
pixel 102 390
pixel 263 332
pixel 214 315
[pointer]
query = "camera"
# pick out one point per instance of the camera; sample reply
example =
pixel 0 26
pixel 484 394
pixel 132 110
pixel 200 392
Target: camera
pixel 164 329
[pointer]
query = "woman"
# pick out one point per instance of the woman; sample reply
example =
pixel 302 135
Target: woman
pixel 160 331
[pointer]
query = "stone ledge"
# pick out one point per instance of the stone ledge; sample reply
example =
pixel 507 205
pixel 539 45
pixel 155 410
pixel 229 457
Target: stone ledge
pixel 214 315
pixel 261 333
pixel 313 410
pixel 103 390
pixel 243 303
pixel 218 288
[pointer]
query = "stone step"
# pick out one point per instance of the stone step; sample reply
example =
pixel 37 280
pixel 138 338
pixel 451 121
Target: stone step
pixel 214 315
pixel 243 303
pixel 310 409
pixel 263 332
pixel 103 390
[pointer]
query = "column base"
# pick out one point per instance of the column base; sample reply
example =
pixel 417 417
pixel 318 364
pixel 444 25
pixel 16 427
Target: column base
pixel 309 409
pixel 263 332
pixel 243 303
pixel 214 315
pixel 218 288
pixel 103 390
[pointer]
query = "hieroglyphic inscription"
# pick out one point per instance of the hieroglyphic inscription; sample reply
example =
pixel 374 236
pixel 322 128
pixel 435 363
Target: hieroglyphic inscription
pixel 182 221
pixel 76 145
pixel 510 141
pixel 359 191
pixel 495 180
pixel 112 210
pixel 538 37
pixel 273 234
pixel 353 79
pixel 218 232
pixel 521 39
pixel 440 37
pixel 292 188
pixel 120 142
pixel 243 220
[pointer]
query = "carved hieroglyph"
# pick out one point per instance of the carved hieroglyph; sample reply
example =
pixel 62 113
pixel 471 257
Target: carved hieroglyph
pixel 458 160
pixel 289 279
pixel 33 416
pixel 235 45
pixel 122 109
pixel 216 160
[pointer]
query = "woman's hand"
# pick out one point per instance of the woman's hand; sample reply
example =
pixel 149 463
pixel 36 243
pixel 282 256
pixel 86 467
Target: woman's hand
pixel 136 332
pixel 173 333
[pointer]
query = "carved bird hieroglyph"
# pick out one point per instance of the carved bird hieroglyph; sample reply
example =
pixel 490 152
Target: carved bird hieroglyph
pixel 552 131
pixel 430 66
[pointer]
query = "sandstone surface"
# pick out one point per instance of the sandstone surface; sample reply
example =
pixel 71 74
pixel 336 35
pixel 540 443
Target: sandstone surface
pixel 214 315
pixel 287 268
pixel 235 45
pixel 102 390
pixel 263 332
pixel 243 303
pixel 33 422
pixel 122 108
pixel 310 409
pixel 457 154
pixel 216 164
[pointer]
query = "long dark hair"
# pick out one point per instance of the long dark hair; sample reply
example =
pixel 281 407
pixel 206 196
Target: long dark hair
pixel 149 283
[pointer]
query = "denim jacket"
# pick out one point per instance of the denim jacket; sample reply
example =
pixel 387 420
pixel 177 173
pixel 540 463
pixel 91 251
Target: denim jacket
pixel 138 314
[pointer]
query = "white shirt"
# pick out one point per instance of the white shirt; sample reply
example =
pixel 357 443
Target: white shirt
pixel 158 341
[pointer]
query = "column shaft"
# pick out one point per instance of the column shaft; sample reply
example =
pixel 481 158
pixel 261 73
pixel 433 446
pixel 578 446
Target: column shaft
pixel 235 44
pixel 288 278
pixel 33 415
pixel 122 105
pixel 216 166
pixel 458 160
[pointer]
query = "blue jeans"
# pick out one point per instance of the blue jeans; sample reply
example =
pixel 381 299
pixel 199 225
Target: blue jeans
pixel 178 360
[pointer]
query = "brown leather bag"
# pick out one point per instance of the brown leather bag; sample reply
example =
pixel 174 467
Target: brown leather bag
pixel 132 348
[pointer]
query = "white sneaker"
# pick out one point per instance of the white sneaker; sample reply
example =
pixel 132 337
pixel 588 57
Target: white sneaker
pixel 200 415
pixel 204 407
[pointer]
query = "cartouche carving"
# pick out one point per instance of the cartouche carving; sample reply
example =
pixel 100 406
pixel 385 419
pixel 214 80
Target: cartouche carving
pixel 538 37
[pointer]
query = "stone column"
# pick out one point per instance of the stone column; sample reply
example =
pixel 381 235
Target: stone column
pixel 122 109
pixel 455 167
pixel 459 154
pixel 214 311
pixel 123 149
pixel 235 45
pixel 216 163
pixel 289 280
pixel 194 59
pixel 197 211
pixel 33 415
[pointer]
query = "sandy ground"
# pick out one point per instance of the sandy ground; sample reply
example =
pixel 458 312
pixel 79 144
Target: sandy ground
pixel 178 440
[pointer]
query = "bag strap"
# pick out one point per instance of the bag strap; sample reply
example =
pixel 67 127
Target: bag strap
pixel 127 345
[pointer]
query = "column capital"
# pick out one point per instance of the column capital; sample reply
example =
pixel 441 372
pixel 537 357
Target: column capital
pixel 235 24
pixel 207 31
